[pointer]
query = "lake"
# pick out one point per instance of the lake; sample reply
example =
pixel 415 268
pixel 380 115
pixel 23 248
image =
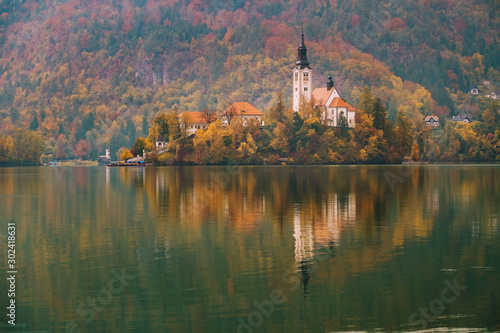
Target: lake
pixel 253 249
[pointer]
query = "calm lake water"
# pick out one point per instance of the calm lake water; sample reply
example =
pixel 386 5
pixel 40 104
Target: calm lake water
pixel 253 249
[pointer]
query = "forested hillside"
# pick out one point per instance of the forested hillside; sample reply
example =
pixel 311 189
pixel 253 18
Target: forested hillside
pixel 97 72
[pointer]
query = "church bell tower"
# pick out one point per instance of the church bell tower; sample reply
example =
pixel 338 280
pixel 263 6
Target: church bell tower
pixel 302 77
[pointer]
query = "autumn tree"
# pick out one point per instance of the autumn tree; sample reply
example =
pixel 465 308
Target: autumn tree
pixel 366 101
pixel 368 139
pixel 6 149
pixel 60 152
pixel 82 149
pixel 280 142
pixel 212 146
pixel 422 135
pixel 126 155
pixel 209 116
pixel 185 123
pixel 279 111
pixel 174 126
pixel 309 109
pixel 490 118
pixel 161 123
pixel 415 151
pixel 404 132
pixel 140 144
pixel 229 113
pixel 247 150
pixel 28 147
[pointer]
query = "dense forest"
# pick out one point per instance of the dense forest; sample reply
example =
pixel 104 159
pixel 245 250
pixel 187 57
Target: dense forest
pixel 78 77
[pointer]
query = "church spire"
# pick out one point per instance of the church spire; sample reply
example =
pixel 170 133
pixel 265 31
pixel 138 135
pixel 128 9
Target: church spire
pixel 302 55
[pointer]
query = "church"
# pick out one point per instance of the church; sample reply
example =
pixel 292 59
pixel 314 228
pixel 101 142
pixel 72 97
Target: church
pixel 328 99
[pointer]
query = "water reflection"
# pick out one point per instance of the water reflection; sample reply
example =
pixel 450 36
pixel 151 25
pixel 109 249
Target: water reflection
pixel 205 242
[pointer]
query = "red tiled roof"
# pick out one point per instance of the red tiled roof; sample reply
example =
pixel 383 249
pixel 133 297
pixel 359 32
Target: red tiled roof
pixel 196 116
pixel 340 103
pixel 245 109
pixel 434 118
pixel 321 95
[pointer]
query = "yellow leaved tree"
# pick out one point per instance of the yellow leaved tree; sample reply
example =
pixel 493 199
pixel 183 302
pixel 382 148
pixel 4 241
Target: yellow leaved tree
pixel 126 155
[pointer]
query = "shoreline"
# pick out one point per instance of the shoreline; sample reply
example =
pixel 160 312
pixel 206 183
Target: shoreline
pixel 253 165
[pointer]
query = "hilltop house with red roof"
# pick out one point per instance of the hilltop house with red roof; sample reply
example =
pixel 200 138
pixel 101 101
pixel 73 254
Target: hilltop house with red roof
pixel 328 99
pixel 244 110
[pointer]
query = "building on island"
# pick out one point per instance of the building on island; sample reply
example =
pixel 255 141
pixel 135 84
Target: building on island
pixel 333 106
pixel 104 159
pixel 160 142
pixel 195 121
pixel 302 77
pixel 327 99
pixel 243 110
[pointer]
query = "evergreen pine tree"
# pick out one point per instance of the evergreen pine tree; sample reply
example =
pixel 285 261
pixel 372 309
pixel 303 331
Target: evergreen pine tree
pixel 343 126
pixel 14 115
pixel 145 126
pixel 131 131
pixel 34 122
pixel 379 114
pixel 297 122
pixel 61 128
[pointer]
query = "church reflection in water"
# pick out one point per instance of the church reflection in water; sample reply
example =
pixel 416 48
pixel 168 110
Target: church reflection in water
pixel 311 238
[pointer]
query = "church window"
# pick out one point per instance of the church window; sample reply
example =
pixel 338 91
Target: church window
pixel 296 76
pixel 305 88
pixel 306 76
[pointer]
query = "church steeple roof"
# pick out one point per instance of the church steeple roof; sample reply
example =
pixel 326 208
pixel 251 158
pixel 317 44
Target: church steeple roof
pixel 329 83
pixel 302 62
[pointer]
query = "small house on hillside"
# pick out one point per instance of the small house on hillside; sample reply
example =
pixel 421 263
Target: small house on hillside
pixel 473 90
pixel 243 110
pixel 494 94
pixel 196 121
pixel 465 118
pixel 432 121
